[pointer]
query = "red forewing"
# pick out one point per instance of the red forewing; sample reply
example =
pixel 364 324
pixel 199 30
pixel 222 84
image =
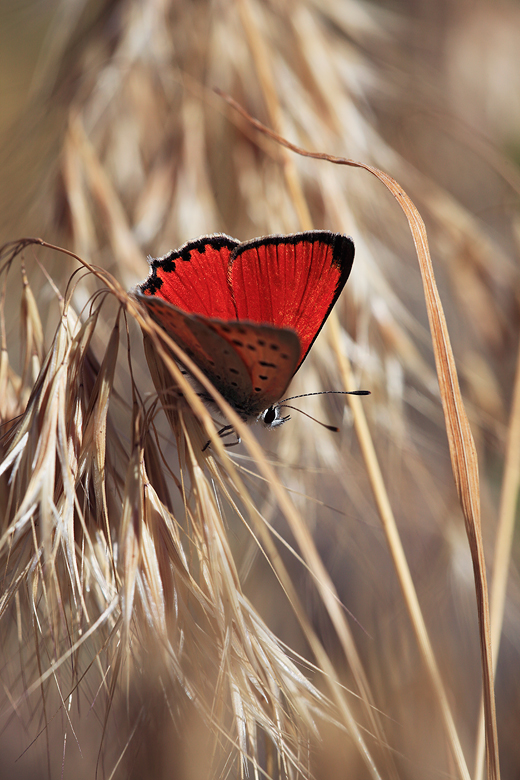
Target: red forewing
pixel 194 277
pixel 291 281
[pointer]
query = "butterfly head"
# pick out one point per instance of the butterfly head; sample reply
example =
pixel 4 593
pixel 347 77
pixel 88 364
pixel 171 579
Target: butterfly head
pixel 272 417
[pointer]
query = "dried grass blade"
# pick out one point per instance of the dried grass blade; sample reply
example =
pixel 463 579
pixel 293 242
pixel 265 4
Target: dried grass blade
pixel 323 581
pixel 252 664
pixel 94 440
pixel 32 333
pixel 463 455
pixel 397 551
pixel 112 606
pixel 82 225
pixel 210 538
pixel 131 534
pixel 124 246
pixel 263 67
pixel 302 534
pixel 35 463
pixel 462 452
pixel 503 546
pixel 325 586
pixel 263 60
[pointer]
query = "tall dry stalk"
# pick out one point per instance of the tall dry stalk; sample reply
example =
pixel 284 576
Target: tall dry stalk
pixel 170 611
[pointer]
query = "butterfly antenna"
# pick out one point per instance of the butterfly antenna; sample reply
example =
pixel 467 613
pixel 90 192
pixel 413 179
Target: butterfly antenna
pixel 328 427
pixel 327 392
pixel 333 428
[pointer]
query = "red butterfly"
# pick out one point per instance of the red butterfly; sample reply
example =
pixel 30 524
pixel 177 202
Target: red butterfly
pixel 247 314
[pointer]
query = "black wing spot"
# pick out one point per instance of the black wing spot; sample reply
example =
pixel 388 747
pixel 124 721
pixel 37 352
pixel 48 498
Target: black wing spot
pixel 284 355
pixel 234 384
pixel 233 371
pixel 260 342
pixel 274 347
pixel 242 330
pixel 237 342
pixel 167 265
pixel 225 351
pixel 152 285
pixel 211 362
pixel 258 389
pixel 251 347
pixel 267 365
pixel 225 328
pixel 263 377
pixel 185 254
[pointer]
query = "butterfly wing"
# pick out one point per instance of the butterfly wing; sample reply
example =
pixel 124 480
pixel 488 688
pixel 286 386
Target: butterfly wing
pixel 247 314
pixel 249 364
pixel 291 281
pixel 194 277
pixel 212 354
pixel 270 356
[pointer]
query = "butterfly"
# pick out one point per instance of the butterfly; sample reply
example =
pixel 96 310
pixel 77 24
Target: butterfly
pixel 248 313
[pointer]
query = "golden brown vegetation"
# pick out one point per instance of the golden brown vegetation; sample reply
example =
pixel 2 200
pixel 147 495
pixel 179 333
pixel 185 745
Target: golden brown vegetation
pixel 308 604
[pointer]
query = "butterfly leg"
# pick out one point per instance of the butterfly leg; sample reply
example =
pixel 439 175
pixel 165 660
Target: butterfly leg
pixel 233 443
pixel 225 431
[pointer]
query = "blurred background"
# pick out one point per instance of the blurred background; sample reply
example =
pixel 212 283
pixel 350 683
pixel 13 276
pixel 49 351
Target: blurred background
pixel 114 145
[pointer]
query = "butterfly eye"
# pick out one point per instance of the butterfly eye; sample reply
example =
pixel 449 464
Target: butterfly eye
pixel 271 418
pixel 269 415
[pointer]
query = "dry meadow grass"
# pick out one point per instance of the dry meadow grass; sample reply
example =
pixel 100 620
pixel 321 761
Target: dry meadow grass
pixel 309 604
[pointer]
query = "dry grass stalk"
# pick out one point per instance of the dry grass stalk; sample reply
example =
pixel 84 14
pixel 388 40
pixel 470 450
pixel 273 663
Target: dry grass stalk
pixel 163 370
pixel 503 548
pixel 464 465
pixel 124 561
pixel 149 159
pixel 304 539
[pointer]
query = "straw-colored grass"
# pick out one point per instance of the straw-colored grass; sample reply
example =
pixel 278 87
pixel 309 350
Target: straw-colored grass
pixel 306 604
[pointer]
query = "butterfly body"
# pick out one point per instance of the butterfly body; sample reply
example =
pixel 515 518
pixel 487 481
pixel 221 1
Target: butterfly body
pixel 248 313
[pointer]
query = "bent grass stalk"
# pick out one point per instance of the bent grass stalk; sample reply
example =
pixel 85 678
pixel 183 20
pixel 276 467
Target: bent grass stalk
pixel 463 458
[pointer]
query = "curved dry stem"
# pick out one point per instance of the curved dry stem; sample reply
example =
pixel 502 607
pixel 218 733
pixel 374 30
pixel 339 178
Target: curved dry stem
pixel 464 465
pixel 503 548
pixel 304 538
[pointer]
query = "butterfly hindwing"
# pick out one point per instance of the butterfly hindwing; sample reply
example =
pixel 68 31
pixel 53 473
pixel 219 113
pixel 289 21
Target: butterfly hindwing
pixel 291 281
pixel 208 350
pixel 269 354
pixel 251 365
